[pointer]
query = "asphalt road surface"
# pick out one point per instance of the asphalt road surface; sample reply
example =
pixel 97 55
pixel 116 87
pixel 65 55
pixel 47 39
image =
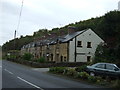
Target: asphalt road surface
pixel 0 74
pixel 20 76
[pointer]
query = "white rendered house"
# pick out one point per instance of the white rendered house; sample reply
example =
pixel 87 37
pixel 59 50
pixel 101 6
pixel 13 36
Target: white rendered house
pixel 82 46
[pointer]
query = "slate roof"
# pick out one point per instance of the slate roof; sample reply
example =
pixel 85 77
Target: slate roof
pixel 68 37
pixel 54 40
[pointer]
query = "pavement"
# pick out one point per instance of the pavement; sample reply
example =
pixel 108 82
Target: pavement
pixel 19 76
pixel 41 69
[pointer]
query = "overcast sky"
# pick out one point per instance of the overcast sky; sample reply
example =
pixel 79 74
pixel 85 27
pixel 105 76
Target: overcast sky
pixel 39 14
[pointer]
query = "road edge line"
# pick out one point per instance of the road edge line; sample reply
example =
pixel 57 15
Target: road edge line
pixel 8 71
pixel 29 83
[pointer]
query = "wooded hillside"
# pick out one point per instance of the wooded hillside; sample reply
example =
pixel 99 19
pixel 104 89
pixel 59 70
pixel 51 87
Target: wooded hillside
pixel 107 27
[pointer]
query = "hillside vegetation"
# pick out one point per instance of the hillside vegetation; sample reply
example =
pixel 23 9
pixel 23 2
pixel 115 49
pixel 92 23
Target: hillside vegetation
pixel 106 26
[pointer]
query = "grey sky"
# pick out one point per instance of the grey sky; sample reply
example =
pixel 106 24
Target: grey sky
pixel 39 14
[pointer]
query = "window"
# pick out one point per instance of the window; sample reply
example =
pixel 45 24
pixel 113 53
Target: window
pixel 110 67
pixel 61 58
pixel 88 58
pixel 88 44
pixel 101 66
pixel 65 59
pixel 79 44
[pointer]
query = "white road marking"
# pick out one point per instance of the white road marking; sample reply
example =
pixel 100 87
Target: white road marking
pixel 8 71
pixel 29 83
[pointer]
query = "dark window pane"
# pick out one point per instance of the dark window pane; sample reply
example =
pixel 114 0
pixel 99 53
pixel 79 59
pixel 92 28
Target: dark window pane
pixel 88 58
pixel 79 44
pixel 88 44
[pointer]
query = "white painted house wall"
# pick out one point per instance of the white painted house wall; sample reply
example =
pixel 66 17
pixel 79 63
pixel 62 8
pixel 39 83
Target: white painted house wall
pixel 87 36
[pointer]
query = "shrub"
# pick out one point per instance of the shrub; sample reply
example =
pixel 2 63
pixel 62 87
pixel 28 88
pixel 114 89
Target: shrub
pixel 12 57
pixel 41 60
pixel 27 56
pixel 83 75
pixel 99 79
pixel 61 69
pixel 71 72
pixel 58 69
pixel 76 75
pixel 116 84
pixel 92 78
pixel 52 69
pixel 81 68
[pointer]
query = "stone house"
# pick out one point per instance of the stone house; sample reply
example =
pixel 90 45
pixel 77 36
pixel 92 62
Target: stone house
pixel 77 46
pixel 81 45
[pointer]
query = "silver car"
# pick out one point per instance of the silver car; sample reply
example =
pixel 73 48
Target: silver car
pixel 104 69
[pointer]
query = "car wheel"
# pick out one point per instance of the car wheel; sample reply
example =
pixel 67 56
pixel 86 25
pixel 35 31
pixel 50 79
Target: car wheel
pixel 92 74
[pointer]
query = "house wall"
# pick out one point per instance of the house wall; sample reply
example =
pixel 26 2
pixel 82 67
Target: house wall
pixel 63 52
pixel 83 52
pixel 52 52
pixel 43 51
pixel 72 50
pixel 38 52
pixel 58 52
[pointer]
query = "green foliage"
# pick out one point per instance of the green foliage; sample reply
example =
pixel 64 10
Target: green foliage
pixel 58 69
pixel 107 27
pixel 12 57
pixel 92 78
pixel 17 43
pixel 81 68
pixel 71 72
pixel 27 56
pixel 116 84
pixel 52 69
pixel 83 75
pixel 106 54
pixel 41 60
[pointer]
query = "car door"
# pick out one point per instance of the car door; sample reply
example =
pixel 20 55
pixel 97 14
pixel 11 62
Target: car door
pixel 110 70
pixel 100 69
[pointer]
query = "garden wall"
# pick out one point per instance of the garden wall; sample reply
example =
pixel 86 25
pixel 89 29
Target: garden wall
pixel 46 65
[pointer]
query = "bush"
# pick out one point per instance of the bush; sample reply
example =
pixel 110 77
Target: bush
pixel 83 75
pixel 116 84
pixel 41 60
pixel 52 69
pixel 71 72
pixel 27 56
pixel 76 74
pixel 81 68
pixel 58 69
pixel 92 78
pixel 61 69
pixel 99 79
pixel 12 57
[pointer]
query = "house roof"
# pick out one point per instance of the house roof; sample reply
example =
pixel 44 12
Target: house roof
pixel 54 40
pixel 68 37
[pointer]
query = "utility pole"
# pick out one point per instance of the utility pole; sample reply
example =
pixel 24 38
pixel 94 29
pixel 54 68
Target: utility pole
pixel 14 39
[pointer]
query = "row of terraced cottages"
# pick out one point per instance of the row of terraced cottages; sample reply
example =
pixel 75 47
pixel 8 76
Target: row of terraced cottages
pixel 79 46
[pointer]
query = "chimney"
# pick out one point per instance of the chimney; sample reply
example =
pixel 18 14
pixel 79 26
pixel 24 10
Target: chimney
pixel 71 29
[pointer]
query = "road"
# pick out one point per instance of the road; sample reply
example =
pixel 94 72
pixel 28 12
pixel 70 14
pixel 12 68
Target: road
pixel 0 74
pixel 20 76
